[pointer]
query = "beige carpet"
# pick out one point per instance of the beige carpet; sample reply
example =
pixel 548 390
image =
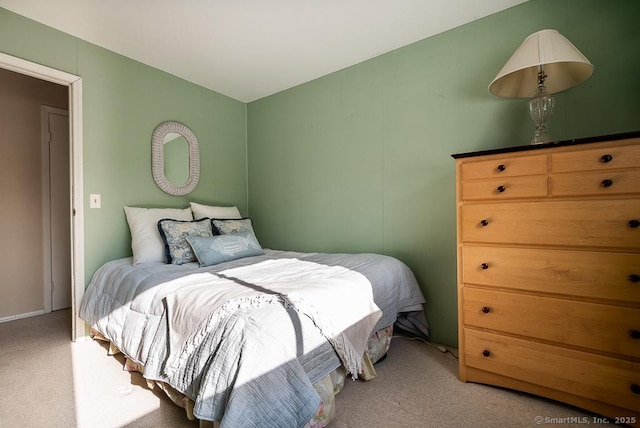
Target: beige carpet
pixel 50 382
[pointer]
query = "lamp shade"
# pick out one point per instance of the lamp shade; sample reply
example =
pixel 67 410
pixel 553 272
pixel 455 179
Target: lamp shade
pixel 562 62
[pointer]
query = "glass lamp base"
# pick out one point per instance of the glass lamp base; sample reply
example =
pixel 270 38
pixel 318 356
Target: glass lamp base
pixel 541 136
pixel 540 110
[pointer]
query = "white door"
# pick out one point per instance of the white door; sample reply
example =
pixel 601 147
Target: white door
pixel 58 248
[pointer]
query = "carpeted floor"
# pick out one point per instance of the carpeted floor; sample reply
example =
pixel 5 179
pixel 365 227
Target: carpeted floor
pixel 50 382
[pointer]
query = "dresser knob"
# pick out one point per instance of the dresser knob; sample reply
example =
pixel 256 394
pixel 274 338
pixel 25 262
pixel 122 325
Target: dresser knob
pixel 486 222
pixel 632 223
pixel 484 266
pixel 606 183
pixel 635 334
pixel 501 189
pixel 486 309
pixel 486 353
pixel 606 158
pixel 501 167
pixel 634 278
pixel 635 388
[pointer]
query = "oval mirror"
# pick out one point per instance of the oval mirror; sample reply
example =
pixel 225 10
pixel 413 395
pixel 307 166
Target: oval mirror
pixel 175 165
pixel 176 158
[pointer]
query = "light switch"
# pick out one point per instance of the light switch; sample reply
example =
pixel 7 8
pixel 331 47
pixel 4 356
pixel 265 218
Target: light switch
pixel 94 200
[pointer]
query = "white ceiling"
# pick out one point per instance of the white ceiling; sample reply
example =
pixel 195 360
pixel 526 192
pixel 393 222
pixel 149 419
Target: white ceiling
pixel 249 49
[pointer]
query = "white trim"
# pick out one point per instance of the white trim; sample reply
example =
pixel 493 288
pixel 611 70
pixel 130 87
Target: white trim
pixel 20 316
pixel 74 83
pixel 39 71
pixel 79 330
pixel 45 137
pixel 46 208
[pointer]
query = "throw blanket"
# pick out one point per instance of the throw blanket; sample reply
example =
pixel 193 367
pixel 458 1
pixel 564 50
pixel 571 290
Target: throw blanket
pixel 193 311
pixel 245 373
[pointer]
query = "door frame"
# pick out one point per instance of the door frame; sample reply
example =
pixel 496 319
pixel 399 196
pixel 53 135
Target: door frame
pixel 45 139
pixel 74 83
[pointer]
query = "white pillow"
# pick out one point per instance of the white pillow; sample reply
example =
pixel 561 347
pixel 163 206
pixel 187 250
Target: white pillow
pixel 202 211
pixel 146 242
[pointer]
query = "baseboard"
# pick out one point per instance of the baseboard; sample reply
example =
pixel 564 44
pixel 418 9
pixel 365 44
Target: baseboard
pixel 19 316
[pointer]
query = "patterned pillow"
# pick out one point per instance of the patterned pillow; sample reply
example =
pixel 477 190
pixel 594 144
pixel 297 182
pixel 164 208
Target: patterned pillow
pixel 223 248
pixel 174 232
pixel 227 226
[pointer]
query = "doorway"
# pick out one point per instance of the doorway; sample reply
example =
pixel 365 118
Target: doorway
pixel 74 85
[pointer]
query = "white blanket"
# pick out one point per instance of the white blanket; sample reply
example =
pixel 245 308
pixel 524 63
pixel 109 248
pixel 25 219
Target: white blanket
pixel 203 300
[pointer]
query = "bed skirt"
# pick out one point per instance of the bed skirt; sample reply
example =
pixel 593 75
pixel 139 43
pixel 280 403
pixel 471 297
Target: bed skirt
pixel 327 387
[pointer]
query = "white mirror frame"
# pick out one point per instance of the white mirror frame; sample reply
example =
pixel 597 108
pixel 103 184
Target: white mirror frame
pixel 157 158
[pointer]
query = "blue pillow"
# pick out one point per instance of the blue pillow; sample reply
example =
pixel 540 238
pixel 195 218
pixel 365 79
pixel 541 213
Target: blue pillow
pixel 173 233
pixel 231 225
pixel 223 248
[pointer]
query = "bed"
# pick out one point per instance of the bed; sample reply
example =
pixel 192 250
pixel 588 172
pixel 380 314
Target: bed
pixel 261 339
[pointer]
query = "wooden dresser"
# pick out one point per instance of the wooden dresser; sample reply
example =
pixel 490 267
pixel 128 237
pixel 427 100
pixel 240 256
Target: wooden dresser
pixel 549 271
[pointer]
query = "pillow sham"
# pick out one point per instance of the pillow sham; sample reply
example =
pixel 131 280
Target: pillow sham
pixel 223 248
pixel 227 226
pixel 173 232
pixel 146 243
pixel 202 211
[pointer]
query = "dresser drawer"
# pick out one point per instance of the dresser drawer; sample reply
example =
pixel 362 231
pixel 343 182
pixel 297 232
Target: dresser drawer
pixel 506 188
pixel 595 275
pixel 505 167
pixel 597 377
pixel 604 158
pixel 613 223
pixel 605 328
pixel 596 183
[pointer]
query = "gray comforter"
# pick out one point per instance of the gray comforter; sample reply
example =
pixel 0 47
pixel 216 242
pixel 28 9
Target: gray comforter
pixel 230 372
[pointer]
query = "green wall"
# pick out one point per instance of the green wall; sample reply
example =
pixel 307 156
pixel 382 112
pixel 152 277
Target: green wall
pixel 123 101
pixel 359 160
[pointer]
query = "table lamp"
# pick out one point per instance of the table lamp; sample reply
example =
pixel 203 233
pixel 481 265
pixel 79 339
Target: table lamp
pixel 545 63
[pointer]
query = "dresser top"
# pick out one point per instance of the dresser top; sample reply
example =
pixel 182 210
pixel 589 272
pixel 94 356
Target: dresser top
pixel 576 141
